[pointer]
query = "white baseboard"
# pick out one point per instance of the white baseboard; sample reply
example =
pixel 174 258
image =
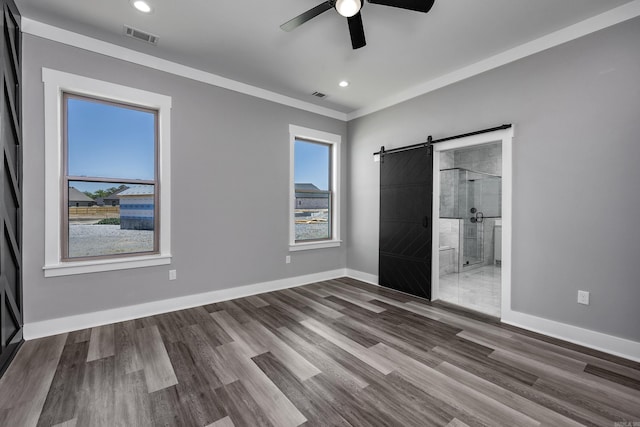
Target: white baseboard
pixel 61 325
pixel 371 279
pixel 574 334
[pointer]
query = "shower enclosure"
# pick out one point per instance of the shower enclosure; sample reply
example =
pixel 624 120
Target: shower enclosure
pixel 474 198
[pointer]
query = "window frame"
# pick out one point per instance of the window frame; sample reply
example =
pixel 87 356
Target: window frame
pixel 66 179
pixel 329 191
pixel 56 85
pixel 334 142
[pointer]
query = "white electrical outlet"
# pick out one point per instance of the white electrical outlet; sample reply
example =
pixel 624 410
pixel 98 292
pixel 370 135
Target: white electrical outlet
pixel 172 274
pixel 583 297
pixel 287 259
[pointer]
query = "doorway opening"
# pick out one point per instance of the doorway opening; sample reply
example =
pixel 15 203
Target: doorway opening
pixel 472 181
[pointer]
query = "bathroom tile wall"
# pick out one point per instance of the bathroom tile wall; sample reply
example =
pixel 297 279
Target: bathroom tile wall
pixel 485 158
pixel 446 160
pixel 449 193
pixel 447 261
pixel 449 244
pixel 482 158
pixel 489 225
pixel 492 196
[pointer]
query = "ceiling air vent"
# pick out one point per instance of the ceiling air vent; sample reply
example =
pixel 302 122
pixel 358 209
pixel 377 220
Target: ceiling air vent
pixel 140 35
pixel 319 94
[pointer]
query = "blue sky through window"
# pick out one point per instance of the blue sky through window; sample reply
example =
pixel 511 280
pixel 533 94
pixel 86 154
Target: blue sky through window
pixel 312 164
pixel 109 141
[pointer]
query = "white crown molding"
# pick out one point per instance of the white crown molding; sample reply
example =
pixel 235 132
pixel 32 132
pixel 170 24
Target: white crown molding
pixel 45 328
pixel 46 31
pixel 572 32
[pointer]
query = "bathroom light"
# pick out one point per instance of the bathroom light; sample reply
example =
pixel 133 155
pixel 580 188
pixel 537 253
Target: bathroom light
pixel 348 8
pixel 343 83
pixel 142 6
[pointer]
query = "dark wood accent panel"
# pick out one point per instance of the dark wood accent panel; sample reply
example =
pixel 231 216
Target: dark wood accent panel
pixel 339 353
pixel 406 187
pixel 10 186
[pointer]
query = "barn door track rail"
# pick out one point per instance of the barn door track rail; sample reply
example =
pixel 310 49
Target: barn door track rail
pixel 430 141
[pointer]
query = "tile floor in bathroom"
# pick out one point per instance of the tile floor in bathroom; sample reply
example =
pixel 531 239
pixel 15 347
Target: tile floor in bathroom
pixel 478 289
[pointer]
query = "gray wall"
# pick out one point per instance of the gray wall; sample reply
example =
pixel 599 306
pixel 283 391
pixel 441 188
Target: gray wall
pixel 576 197
pixel 229 151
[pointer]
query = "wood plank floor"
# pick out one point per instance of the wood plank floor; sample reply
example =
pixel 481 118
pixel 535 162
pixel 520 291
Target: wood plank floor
pixel 335 353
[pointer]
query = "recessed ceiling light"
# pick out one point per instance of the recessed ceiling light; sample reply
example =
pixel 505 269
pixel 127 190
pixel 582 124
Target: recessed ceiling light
pixel 343 83
pixel 142 6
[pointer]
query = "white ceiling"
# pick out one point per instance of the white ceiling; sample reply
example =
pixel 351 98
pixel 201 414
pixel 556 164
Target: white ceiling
pixel 242 40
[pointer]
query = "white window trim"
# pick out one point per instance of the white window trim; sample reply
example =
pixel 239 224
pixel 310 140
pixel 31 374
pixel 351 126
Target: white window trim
pixel 55 84
pixel 334 141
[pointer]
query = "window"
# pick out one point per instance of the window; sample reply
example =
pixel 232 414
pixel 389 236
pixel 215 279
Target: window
pixel 107 203
pixel 314 200
pixel 312 182
pixel 110 152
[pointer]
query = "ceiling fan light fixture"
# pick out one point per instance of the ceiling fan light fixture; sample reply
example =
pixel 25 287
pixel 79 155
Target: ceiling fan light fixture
pixel 142 6
pixel 348 8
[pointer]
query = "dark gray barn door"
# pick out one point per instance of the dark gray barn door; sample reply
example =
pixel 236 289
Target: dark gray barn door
pixel 406 184
pixel 10 186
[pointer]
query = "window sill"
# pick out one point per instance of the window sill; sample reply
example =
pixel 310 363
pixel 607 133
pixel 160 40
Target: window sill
pixel 314 245
pixel 83 267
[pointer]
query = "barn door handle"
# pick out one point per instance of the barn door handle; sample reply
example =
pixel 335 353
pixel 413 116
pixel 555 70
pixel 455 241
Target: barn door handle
pixel 425 222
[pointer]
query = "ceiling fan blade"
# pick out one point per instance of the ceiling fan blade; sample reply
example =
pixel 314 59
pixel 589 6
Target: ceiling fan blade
pixel 417 5
pixel 306 16
pixel 356 30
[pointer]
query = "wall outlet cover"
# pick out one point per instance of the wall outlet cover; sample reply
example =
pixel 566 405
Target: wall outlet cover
pixel 583 297
pixel 172 275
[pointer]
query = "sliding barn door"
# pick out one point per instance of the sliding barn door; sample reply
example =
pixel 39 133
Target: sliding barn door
pixel 10 186
pixel 406 184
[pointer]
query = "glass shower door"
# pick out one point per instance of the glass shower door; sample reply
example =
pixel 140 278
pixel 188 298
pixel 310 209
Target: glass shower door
pixel 473 218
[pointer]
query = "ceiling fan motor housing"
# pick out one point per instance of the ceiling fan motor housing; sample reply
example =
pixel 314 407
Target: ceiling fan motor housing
pixel 350 9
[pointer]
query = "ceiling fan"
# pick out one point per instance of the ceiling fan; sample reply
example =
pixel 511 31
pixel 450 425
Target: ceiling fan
pixel 350 9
